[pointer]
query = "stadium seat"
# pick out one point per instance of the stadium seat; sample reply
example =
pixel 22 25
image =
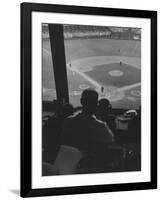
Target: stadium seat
pixel 47 169
pixel 67 160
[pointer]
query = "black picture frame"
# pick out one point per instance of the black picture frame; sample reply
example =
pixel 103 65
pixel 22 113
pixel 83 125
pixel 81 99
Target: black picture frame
pixel 26 94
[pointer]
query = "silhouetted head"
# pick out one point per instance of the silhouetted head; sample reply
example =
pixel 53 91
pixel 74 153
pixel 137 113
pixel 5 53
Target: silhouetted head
pixel 89 100
pixel 57 107
pixel 104 105
pixel 103 109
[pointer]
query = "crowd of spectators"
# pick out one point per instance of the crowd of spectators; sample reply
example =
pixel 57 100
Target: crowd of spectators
pixel 88 32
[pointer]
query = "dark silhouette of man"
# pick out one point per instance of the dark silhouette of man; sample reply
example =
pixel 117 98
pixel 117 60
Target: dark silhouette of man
pixel 51 134
pixel 135 127
pixel 83 131
pixel 104 114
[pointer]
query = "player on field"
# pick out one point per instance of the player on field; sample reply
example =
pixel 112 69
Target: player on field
pixel 102 89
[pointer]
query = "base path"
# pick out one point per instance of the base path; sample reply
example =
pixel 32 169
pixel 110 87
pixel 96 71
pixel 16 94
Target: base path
pixel 86 64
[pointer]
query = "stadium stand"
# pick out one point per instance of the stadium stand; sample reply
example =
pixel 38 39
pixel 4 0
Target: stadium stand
pixel 82 31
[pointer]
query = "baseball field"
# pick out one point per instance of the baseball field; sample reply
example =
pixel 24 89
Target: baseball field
pixel 112 67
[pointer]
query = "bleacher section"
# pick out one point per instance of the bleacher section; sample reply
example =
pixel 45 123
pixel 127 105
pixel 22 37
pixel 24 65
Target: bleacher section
pixel 85 32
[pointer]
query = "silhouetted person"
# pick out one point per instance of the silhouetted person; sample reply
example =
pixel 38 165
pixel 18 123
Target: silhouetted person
pixel 51 134
pixel 103 113
pixel 83 131
pixel 102 89
pixel 135 127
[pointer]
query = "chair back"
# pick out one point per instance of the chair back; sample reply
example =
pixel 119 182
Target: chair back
pixel 67 159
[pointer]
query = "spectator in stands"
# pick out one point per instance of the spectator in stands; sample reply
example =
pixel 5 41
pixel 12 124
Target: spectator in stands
pixel 51 134
pixel 135 127
pixel 83 131
pixel 103 113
